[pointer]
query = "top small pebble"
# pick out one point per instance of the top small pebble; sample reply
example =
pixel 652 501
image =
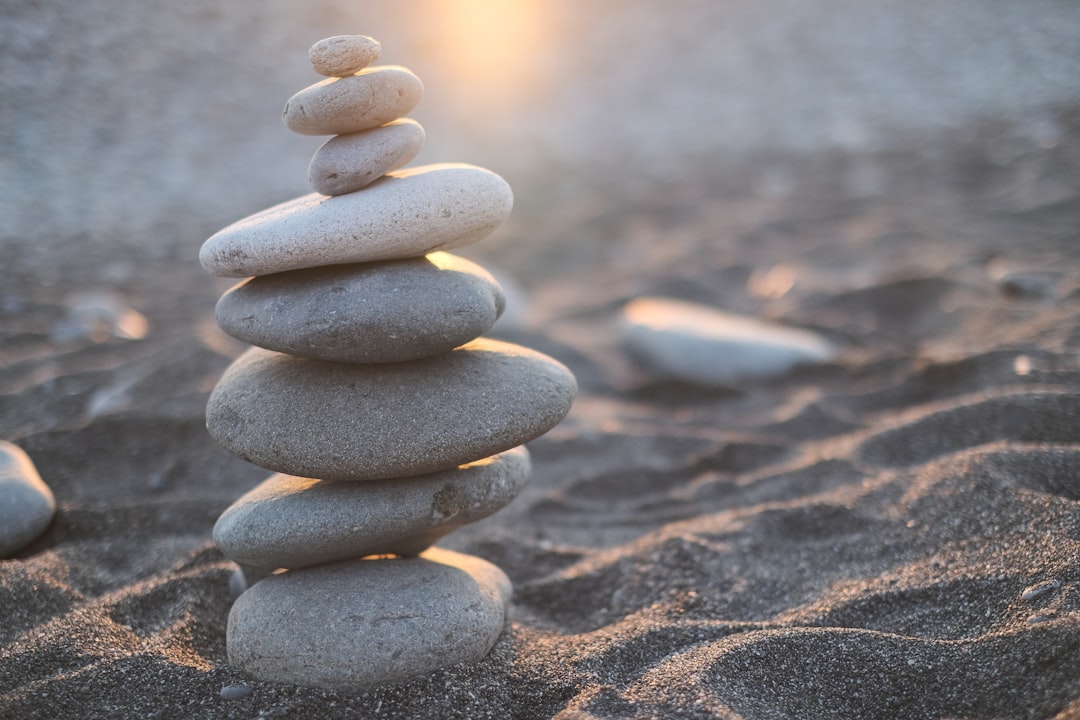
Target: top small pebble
pixel 343 55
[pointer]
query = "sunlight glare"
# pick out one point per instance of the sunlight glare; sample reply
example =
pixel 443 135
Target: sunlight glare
pixel 494 42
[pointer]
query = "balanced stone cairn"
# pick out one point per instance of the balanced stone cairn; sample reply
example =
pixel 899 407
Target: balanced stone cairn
pixel 389 421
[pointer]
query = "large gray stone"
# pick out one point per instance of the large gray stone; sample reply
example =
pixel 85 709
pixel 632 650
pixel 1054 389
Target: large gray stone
pixel 369 312
pixel 26 503
pixel 370 98
pixel 406 213
pixel 361 623
pixel 292 522
pixel 347 163
pixel 343 421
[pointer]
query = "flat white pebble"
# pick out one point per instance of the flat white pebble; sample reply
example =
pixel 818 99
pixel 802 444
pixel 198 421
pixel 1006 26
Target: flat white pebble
pixel 343 55
pixel 406 213
pixel 699 344
pixel 347 163
pixel 27 504
pixel 357 624
pixel 1036 591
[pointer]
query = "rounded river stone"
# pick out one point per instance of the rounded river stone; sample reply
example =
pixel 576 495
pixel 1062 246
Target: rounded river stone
pixel 343 421
pixel 360 623
pixel 338 105
pixel 406 213
pixel 368 312
pixel 26 503
pixel 293 522
pixel 343 55
pixel 699 344
pixel 347 163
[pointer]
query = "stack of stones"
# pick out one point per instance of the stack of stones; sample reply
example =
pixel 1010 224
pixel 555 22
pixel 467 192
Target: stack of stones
pixel 389 421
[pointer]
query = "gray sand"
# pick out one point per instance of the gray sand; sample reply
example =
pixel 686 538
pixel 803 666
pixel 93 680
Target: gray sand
pixel 893 534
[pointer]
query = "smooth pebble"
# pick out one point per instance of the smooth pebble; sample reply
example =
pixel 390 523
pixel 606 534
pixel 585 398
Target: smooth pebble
pixel 235 692
pixel 343 55
pixel 1037 591
pixel 390 311
pixel 361 623
pixel 27 504
pixel 347 163
pixel 370 98
pixel 406 213
pixel 292 522
pixel 344 421
pixel 703 345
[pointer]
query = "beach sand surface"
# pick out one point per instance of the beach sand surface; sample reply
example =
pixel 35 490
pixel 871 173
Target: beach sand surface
pixel 894 534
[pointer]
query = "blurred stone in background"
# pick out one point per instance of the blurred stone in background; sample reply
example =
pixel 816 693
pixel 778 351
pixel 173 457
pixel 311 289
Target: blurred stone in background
pixel 148 125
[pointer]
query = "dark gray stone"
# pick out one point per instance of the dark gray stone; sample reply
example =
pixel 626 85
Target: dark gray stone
pixel 366 313
pixel 360 623
pixel 344 421
pixel 292 522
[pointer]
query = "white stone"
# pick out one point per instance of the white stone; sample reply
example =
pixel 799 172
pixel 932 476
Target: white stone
pixel 703 345
pixel 347 163
pixel 370 98
pixel 407 213
pixel 27 504
pixel 343 55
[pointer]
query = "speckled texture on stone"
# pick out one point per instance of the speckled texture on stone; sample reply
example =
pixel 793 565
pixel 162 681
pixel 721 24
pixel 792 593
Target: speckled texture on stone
pixel 361 623
pixel 370 98
pixel 389 311
pixel 406 213
pixel 347 163
pixel 26 502
pixel 343 55
pixel 342 421
pixel 291 522
pixel 699 344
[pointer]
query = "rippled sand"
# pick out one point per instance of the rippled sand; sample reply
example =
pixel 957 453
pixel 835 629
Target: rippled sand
pixel 895 534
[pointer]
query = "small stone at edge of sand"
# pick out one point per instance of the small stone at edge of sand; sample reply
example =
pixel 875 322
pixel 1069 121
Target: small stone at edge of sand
pixel 236 692
pixel 27 504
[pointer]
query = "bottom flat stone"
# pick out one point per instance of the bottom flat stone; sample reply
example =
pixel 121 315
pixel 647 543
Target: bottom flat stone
pixel 357 624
